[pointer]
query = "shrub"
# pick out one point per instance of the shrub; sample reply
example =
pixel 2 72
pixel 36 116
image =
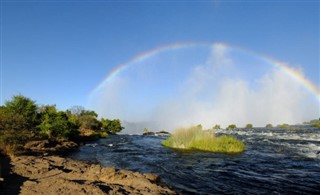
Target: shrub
pixel 56 124
pixel 194 138
pixel 283 126
pixel 111 126
pixel 269 126
pixel 249 126
pixel 217 127
pixel 103 134
pixel 232 126
pixel 317 125
pixel 12 141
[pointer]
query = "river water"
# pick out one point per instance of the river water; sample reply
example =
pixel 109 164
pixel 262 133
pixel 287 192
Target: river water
pixel 275 161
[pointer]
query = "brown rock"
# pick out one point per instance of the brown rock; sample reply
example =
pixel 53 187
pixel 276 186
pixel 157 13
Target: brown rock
pixel 56 175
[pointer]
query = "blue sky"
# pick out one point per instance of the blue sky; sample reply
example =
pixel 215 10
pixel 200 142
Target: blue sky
pixel 58 52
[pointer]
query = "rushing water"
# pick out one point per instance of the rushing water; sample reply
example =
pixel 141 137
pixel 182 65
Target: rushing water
pixel 275 161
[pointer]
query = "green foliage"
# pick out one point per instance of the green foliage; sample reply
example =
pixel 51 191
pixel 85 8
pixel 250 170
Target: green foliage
pixel 249 126
pixel 56 124
pixel 217 126
pixel 269 126
pixel 12 121
pixel 313 123
pixel 23 108
pixel 89 122
pixel 86 119
pixel 317 125
pixel 283 126
pixel 194 138
pixel 103 134
pixel 111 126
pixel 21 120
pixel 232 126
pixel 12 141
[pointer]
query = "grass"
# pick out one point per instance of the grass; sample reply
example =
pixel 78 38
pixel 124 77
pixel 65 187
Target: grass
pixel 194 138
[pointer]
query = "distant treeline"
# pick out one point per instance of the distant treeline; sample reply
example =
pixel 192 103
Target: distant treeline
pixel 21 120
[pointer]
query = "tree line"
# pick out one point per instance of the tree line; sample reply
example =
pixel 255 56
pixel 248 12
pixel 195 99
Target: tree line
pixel 21 119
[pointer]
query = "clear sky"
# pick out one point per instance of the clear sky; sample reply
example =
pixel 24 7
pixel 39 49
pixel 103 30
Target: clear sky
pixel 57 52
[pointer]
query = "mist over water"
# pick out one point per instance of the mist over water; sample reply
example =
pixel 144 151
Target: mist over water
pixel 204 85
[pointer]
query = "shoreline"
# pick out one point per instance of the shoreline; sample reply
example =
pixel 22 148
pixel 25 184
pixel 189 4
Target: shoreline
pixel 51 173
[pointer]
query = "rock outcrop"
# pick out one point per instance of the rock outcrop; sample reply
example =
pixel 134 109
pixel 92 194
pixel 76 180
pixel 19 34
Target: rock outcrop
pixel 58 175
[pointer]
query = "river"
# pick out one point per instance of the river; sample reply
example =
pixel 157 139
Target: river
pixel 275 161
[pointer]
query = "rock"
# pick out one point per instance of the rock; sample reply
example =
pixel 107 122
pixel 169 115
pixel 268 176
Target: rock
pixel 148 133
pixel 57 175
pixel 45 146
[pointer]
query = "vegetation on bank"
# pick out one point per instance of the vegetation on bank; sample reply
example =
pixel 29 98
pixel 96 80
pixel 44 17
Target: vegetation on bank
pixel 194 138
pixel 22 120
pixel 313 123
pixel 232 126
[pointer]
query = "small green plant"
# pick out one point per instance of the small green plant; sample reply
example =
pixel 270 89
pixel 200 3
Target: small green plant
pixel 194 138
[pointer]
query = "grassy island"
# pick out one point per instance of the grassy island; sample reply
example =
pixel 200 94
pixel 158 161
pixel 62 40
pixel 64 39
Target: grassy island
pixel 194 138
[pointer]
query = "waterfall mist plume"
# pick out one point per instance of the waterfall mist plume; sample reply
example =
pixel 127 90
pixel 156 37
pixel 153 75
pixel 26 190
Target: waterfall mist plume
pixel 204 85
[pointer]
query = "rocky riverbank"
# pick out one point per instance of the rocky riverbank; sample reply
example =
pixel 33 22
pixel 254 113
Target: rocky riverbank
pixel 52 174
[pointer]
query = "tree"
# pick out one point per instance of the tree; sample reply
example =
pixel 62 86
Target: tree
pixel 86 119
pixel 23 107
pixel 283 126
pixel 89 122
pixel 111 126
pixel 232 126
pixel 269 125
pixel 249 126
pixel 55 124
pixel 217 127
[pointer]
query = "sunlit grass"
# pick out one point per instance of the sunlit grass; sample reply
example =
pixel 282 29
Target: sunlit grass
pixel 194 138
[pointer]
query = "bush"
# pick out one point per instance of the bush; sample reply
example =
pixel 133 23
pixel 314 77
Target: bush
pixel 217 127
pixel 194 138
pixel 56 125
pixel 103 134
pixel 317 125
pixel 232 126
pixel 269 126
pixel 12 141
pixel 283 126
pixel 249 126
pixel 111 126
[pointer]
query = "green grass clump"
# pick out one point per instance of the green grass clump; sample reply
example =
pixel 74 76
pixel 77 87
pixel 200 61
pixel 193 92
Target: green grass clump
pixel 194 138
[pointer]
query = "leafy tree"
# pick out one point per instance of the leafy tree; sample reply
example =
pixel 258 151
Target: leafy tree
pixel 217 127
pixel 12 121
pixel 89 122
pixel 284 126
pixel 232 126
pixel 269 126
pixel 249 126
pixel 23 107
pixel 86 119
pixel 111 126
pixel 55 124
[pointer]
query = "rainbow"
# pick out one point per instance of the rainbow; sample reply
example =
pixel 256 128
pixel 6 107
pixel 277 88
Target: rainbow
pixel 291 72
